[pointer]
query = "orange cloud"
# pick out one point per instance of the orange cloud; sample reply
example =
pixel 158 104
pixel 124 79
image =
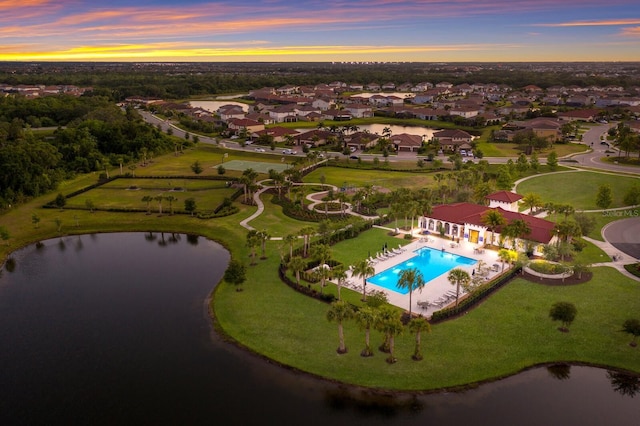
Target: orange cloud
pixel 601 23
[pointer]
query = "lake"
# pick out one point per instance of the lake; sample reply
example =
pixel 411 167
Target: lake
pixel 108 329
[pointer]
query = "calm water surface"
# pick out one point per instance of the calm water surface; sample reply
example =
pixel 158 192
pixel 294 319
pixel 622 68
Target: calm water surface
pixel 113 329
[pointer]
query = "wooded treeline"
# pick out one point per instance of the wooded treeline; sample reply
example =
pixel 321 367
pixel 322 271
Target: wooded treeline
pixel 92 133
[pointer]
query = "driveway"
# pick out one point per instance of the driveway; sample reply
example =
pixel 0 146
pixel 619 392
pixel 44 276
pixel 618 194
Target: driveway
pixel 625 234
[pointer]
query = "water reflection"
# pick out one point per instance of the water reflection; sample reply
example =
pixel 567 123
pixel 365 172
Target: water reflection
pixel 192 239
pixel 624 383
pixel 560 371
pixel 373 403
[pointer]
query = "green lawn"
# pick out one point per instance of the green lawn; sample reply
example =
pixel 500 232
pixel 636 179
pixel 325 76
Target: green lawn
pixel 275 222
pixel 578 188
pixel 368 243
pixel 507 149
pixel 340 177
pixel 508 332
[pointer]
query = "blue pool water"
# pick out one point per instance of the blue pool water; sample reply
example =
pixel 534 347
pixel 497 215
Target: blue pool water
pixel 430 262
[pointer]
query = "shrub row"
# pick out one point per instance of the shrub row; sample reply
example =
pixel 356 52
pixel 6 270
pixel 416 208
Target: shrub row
pixel 327 298
pixel 477 296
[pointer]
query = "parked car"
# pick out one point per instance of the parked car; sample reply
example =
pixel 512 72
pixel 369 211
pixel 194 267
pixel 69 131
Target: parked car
pixel 604 143
pixel 354 157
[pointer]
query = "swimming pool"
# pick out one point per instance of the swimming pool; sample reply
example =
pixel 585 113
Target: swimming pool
pixel 430 262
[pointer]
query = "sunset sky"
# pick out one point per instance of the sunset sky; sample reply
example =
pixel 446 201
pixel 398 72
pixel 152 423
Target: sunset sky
pixel 320 30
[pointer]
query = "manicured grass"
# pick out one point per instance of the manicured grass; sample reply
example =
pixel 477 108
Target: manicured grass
pixel 603 218
pixel 368 243
pixel 508 332
pixel 578 188
pixel 118 194
pixel 353 177
pixel 507 149
pixel 513 326
pixel 275 222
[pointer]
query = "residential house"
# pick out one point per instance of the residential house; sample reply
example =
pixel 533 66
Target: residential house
pixel 244 125
pixel 452 140
pixel 406 142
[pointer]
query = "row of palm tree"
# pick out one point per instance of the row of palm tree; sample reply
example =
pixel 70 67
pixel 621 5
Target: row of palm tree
pixel 159 199
pixel 384 319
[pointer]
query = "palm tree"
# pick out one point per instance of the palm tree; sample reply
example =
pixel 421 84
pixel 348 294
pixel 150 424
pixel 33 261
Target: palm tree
pixel 517 229
pixel 505 256
pixel 290 239
pixel 339 274
pixel 148 199
pixel 366 318
pixel 339 312
pixel 297 265
pixel 322 252
pixel 532 200
pixel 411 279
pixel 253 241
pixel 363 269
pixel 170 199
pixel 263 236
pixel 159 199
pixel 306 233
pixel 391 327
pixel 459 277
pixel 418 325
pixel 385 314
pixel 493 219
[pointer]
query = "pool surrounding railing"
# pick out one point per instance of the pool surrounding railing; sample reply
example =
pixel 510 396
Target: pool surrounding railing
pixel 430 262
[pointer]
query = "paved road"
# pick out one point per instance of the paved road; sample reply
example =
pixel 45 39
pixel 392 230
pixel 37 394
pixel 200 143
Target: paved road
pixel 592 138
pixel 624 234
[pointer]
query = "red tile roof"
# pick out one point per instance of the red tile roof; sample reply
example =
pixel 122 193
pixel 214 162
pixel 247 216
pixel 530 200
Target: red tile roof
pixel 461 213
pixel 504 196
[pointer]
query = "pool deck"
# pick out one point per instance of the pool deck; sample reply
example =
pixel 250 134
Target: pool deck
pixel 437 287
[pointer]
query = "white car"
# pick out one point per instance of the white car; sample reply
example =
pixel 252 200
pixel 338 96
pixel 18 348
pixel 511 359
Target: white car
pixel 288 151
pixel 260 149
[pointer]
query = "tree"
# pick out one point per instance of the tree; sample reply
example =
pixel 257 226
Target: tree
pixel 632 196
pixel 253 241
pixel 236 273
pixel 552 160
pixel 532 201
pixel 221 170
pixel 322 252
pixel 60 201
pixel 171 199
pixel 147 199
pixel 35 219
pixel 290 239
pixel 391 325
pixel 190 206
pixel 504 180
pixel 564 312
pixel 366 318
pixel 411 279
pixel 505 256
pixel 534 163
pixel 4 234
pixel 516 229
pixel 90 205
pixel 363 269
pixel 264 237
pixel 632 327
pixel 196 167
pixel 418 326
pixel 493 219
pixel 604 198
pixel 339 274
pixel 297 265
pixel 159 199
pixel 459 277
pixel 339 312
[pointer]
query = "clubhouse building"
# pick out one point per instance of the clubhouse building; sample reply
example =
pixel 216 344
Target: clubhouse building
pixel 464 222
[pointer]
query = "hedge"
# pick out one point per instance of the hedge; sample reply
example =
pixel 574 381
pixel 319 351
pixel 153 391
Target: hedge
pixel 475 297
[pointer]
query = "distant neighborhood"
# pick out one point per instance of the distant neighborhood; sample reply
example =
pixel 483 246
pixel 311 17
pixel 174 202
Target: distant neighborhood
pixel 531 108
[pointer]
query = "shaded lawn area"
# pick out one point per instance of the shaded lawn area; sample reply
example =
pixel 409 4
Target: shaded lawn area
pixel 508 332
pixel 340 177
pixel 578 188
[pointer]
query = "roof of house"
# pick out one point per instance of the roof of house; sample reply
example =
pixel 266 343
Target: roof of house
pixel 504 196
pixel 461 213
